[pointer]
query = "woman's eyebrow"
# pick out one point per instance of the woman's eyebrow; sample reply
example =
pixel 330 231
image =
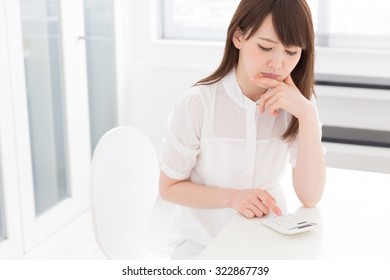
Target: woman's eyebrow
pixel 267 39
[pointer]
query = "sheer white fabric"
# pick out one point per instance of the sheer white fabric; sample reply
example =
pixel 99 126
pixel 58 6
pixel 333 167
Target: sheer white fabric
pixel 217 137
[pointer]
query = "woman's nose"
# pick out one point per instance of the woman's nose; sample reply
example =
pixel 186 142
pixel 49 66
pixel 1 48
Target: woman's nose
pixel 275 62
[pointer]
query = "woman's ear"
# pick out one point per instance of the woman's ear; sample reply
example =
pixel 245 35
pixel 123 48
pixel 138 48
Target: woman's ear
pixel 238 38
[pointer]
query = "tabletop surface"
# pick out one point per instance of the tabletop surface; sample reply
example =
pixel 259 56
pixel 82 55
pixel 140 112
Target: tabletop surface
pixel 354 215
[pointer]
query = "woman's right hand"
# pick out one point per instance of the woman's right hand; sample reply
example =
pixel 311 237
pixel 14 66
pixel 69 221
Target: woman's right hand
pixel 254 203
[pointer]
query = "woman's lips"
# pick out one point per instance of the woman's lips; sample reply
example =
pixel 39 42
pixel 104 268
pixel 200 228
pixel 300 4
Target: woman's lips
pixel 271 75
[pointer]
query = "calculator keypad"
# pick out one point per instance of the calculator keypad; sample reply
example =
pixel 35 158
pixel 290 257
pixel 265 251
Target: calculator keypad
pixel 289 224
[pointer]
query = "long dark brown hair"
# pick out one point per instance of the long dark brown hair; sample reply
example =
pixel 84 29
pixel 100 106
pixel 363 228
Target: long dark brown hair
pixel 293 25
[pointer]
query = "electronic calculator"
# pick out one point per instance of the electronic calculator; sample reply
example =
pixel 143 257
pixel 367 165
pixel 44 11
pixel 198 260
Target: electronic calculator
pixel 289 224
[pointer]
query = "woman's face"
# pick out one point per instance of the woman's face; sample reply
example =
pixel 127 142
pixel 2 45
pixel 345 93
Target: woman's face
pixel 263 55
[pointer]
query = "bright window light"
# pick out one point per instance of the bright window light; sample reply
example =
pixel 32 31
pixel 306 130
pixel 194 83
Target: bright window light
pixel 338 23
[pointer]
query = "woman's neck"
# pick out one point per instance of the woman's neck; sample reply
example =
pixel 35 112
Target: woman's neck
pixel 248 88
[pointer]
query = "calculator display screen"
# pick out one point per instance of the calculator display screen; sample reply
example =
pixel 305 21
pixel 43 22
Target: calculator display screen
pixel 303 226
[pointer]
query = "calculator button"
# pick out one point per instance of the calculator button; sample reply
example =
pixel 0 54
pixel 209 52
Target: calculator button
pixel 289 224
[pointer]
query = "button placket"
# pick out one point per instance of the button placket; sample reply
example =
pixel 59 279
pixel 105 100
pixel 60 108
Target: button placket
pixel 250 156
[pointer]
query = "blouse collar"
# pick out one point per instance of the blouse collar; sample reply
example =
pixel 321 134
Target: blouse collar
pixel 234 91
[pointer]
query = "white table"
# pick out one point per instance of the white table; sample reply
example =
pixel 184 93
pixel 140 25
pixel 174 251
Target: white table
pixel 354 214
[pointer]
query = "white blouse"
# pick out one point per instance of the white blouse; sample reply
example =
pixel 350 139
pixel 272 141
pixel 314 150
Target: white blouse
pixel 218 138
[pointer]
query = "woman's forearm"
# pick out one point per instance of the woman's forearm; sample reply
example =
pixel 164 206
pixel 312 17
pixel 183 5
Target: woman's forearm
pixel 252 202
pixel 193 195
pixel 310 171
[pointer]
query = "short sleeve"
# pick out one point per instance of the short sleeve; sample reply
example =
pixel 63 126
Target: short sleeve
pixel 293 145
pixel 181 145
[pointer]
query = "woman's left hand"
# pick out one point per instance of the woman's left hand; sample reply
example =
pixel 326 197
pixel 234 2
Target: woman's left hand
pixel 281 95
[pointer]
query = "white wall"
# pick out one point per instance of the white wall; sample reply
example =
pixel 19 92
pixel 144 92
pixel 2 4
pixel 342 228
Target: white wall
pixel 154 91
pixel 159 71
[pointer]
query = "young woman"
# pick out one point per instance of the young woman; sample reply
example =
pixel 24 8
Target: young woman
pixel 233 133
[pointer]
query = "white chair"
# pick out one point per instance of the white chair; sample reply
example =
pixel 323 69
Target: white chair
pixel 124 186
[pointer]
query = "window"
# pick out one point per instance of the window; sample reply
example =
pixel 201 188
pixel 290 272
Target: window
pixel 197 19
pixel 99 31
pixel 338 23
pixel 41 31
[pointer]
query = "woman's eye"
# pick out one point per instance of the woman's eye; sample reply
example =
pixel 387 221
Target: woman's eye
pixel 264 49
pixel 291 52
